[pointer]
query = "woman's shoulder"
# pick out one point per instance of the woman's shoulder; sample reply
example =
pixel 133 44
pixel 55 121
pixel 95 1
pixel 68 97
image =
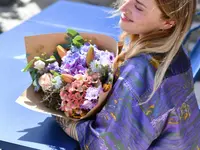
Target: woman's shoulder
pixel 138 72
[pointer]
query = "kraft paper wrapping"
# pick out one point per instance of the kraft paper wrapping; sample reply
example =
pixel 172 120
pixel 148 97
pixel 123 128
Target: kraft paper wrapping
pixel 35 45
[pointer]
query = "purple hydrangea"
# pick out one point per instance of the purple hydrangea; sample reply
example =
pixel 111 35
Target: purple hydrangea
pixel 85 48
pixel 74 63
pixel 75 60
pixel 74 49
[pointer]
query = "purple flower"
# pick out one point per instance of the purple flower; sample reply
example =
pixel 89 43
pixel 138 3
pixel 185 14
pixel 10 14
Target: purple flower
pixel 53 66
pixel 92 93
pixel 106 58
pixel 85 47
pixel 74 63
pixel 70 58
pixel 74 49
pixel 111 57
pixel 75 60
pixel 88 105
pixel 81 69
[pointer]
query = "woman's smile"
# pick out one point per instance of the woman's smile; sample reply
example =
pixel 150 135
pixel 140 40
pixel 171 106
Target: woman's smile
pixel 124 18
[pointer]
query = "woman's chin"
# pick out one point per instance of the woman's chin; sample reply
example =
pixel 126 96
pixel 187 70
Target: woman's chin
pixel 127 29
pixel 131 29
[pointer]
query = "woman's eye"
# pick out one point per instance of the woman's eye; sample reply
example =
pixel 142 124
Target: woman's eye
pixel 138 8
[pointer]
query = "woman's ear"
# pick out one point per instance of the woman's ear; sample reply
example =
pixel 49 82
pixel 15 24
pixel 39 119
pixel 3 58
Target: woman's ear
pixel 167 24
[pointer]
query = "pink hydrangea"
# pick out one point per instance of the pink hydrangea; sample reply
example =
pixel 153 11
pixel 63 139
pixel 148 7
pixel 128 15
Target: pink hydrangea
pixel 73 94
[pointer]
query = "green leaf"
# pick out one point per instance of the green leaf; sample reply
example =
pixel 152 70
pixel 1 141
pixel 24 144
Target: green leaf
pixel 72 33
pixel 54 73
pixel 37 58
pixel 33 73
pixel 28 65
pixel 55 54
pixel 35 83
pixel 68 39
pixel 66 45
pixel 78 38
pixel 78 41
pixel 51 59
pixel 53 81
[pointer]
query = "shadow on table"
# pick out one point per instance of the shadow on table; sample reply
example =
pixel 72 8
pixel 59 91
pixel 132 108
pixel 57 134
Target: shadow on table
pixel 50 133
pixel 11 146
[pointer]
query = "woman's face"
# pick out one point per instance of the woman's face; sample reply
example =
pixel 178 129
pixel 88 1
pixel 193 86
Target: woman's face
pixel 141 17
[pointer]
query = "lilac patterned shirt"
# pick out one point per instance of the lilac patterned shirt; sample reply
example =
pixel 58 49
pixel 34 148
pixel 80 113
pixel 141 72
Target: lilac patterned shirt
pixel 170 120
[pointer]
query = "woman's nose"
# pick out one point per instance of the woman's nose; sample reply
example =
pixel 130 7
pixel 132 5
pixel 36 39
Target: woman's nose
pixel 126 6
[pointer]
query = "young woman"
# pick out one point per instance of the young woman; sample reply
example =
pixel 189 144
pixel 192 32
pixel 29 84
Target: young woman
pixel 152 104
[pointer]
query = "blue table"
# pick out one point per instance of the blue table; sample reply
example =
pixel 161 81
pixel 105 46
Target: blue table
pixel 20 127
pixel 90 18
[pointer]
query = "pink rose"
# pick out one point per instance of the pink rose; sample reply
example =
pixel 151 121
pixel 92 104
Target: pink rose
pixel 45 81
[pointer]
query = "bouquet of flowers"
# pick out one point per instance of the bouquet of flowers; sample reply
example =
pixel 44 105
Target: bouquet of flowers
pixel 73 80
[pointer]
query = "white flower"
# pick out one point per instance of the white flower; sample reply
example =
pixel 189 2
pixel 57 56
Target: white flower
pixel 39 65
pixel 104 61
pixel 57 82
pixel 95 66
pixel 45 81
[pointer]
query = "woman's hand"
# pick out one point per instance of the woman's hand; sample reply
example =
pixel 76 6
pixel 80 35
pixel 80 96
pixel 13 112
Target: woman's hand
pixel 69 126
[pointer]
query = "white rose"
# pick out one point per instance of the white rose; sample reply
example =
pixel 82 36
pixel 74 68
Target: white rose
pixel 39 65
pixel 57 82
pixel 45 81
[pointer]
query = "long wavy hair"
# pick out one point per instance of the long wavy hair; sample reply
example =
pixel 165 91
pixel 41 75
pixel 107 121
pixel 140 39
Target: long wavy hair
pixel 162 41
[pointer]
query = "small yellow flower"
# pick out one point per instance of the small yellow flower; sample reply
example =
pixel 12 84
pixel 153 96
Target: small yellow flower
pixel 106 87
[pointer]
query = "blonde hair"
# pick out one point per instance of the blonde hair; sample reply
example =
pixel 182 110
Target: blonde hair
pixel 166 41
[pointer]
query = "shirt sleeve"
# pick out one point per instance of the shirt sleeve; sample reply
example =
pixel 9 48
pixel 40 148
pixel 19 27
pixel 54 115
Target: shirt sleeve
pixel 121 124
